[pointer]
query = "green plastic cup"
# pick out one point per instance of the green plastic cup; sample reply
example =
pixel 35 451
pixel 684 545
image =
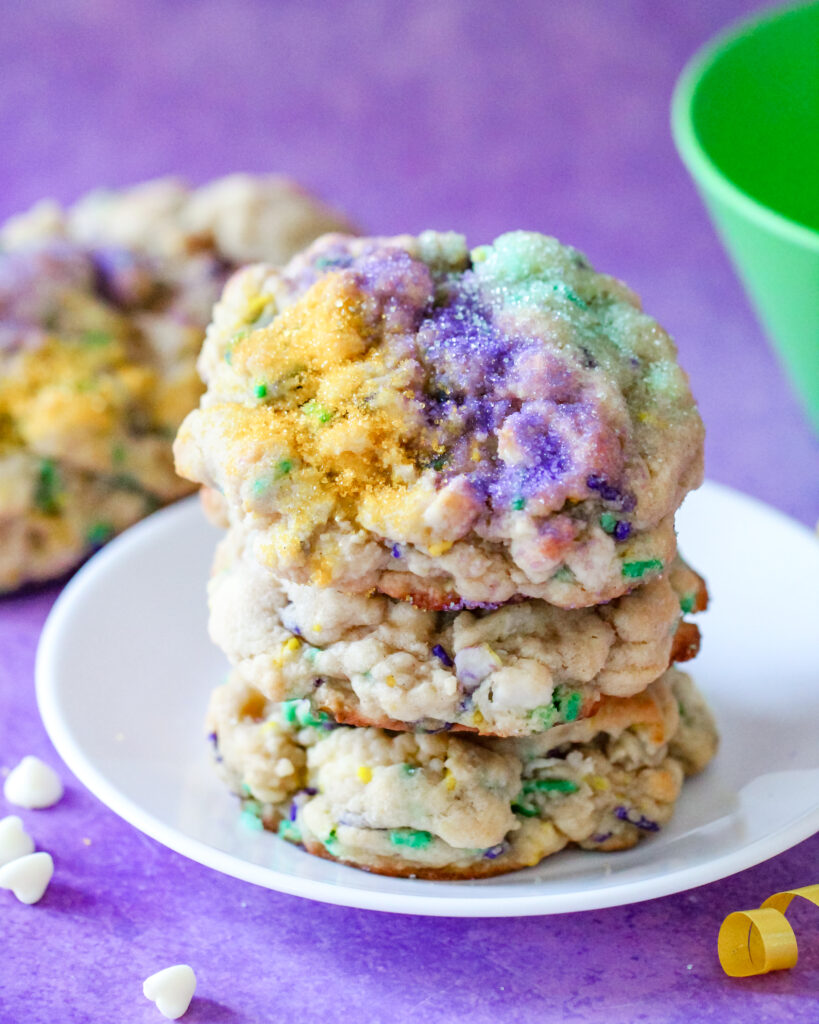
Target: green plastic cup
pixel 745 119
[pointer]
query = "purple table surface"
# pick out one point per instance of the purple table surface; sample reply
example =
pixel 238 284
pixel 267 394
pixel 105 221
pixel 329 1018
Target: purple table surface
pixel 480 117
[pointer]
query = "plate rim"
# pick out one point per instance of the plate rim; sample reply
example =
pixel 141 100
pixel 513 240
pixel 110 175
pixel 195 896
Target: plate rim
pixel 495 903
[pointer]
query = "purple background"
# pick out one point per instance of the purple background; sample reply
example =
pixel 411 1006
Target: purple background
pixel 550 115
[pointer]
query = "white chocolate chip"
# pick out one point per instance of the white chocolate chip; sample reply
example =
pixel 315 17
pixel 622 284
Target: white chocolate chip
pixel 14 840
pixel 32 784
pixel 284 767
pixel 171 989
pixel 28 876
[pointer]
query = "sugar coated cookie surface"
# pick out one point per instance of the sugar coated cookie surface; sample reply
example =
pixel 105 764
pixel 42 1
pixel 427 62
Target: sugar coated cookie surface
pixel 447 806
pixel 103 309
pixel 450 426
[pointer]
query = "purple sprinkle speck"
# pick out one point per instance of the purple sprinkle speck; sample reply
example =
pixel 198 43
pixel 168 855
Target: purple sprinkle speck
pixel 442 656
pixel 396 551
pixel 622 531
pixel 213 738
pixel 646 824
pixel 494 851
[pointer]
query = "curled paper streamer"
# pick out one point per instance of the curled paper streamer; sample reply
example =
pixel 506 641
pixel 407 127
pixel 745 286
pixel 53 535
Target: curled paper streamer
pixel 758 941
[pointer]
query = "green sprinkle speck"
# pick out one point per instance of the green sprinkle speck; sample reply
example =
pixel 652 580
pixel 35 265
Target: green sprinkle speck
pixel 525 809
pixel 438 464
pixel 98 534
pixel 544 715
pixel 244 789
pixel 289 830
pixel 251 816
pixel 118 454
pixel 283 468
pixel 687 602
pixel 608 522
pixel 572 708
pixel 331 841
pixel 96 338
pixel 316 411
pixel 634 570
pixel 415 840
pixel 409 769
pixel 549 786
pixel 260 391
pixel 564 574
pixel 47 491
pixel 299 712
pixel 518 504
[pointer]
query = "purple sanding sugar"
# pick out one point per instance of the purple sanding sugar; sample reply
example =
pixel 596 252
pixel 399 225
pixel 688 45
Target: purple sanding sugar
pixel 442 656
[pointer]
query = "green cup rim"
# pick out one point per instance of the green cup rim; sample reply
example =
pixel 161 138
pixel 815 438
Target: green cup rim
pixel 700 165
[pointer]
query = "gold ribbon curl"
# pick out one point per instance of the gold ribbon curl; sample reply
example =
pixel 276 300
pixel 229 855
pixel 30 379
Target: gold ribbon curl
pixel 758 941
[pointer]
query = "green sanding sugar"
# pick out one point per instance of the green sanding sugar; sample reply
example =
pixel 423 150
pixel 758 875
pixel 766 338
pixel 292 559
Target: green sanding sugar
pixel 549 786
pixel 415 840
pixel 635 570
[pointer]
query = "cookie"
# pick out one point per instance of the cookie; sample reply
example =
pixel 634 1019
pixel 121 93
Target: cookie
pixel 445 426
pixel 446 806
pixel 103 309
pixel 507 671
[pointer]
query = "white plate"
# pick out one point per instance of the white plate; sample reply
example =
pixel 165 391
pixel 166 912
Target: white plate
pixel 124 669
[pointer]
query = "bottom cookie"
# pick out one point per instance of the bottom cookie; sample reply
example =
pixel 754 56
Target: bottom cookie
pixel 444 806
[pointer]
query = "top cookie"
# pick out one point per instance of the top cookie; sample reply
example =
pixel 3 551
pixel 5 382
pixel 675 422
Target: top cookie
pixel 447 426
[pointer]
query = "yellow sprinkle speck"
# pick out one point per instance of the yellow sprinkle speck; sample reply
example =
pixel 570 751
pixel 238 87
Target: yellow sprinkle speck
pixel 478 718
pixel 440 548
pixel 390 680
pixel 317 627
pixel 476 455
pixel 365 773
pixel 449 779
pixel 597 782
pixel 292 644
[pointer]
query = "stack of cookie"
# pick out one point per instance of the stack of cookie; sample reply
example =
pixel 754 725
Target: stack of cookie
pixel 103 309
pixel 449 587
